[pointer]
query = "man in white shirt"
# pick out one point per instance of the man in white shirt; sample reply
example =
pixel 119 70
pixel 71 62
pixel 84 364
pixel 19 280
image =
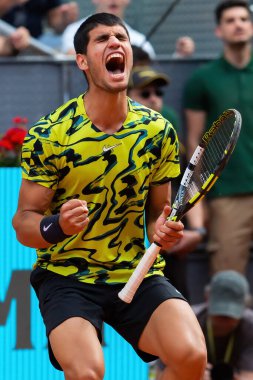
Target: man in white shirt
pixel 116 7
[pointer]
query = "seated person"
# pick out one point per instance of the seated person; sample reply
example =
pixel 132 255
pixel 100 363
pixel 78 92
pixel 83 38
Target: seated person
pixel 33 13
pixel 228 328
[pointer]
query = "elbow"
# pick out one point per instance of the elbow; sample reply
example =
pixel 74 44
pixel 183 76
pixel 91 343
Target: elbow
pixel 15 223
pixel 16 226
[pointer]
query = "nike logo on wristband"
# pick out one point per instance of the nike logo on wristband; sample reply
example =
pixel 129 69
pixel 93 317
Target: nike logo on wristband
pixel 45 228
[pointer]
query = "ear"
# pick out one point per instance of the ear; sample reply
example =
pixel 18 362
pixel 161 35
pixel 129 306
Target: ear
pixel 217 32
pixel 81 62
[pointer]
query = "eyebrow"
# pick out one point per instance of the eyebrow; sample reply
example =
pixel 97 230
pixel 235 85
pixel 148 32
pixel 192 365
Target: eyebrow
pixel 105 36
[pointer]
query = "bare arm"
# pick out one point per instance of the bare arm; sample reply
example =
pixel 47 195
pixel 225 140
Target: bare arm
pixel 33 202
pixel 166 233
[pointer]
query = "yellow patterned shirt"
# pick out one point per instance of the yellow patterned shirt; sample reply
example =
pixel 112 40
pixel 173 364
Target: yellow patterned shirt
pixel 66 152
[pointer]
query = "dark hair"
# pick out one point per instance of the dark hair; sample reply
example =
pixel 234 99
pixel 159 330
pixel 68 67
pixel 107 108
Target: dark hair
pixel 81 38
pixel 140 56
pixel 224 5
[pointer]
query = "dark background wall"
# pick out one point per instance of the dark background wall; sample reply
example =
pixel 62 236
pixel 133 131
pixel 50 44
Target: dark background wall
pixel 32 86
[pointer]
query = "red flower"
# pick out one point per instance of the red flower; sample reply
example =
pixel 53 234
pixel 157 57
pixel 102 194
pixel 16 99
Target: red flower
pixel 4 143
pixel 19 120
pixel 14 137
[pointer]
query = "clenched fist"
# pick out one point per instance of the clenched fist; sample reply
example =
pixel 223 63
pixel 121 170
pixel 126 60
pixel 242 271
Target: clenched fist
pixel 74 216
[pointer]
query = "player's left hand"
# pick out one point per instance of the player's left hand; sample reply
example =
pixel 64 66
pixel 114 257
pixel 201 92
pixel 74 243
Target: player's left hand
pixel 167 232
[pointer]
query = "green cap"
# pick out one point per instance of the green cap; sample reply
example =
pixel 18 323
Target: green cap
pixel 228 292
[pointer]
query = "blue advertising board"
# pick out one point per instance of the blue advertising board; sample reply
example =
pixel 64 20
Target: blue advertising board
pixel 23 342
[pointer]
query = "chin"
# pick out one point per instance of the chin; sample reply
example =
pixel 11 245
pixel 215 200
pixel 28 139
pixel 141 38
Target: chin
pixel 119 88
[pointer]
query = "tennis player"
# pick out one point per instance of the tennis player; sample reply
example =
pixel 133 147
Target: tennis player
pixel 90 170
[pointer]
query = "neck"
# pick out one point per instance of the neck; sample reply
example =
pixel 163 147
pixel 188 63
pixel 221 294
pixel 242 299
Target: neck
pixel 238 56
pixel 107 111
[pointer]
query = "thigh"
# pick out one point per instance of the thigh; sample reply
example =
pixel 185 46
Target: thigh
pixel 75 344
pixel 129 320
pixel 66 305
pixel 172 332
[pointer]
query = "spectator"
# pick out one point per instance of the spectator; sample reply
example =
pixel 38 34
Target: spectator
pixel 227 324
pixel 33 13
pixel 141 57
pixel 185 47
pixel 146 86
pixel 19 40
pixel 116 7
pixel 227 83
pixel 6 5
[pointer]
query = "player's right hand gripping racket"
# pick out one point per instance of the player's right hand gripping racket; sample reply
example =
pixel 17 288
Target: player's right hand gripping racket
pixel 204 168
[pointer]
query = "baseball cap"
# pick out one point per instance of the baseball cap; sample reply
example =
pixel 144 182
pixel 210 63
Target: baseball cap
pixel 142 76
pixel 228 291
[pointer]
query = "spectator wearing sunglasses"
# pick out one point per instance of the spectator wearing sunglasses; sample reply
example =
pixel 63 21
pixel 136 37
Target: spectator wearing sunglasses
pixel 146 86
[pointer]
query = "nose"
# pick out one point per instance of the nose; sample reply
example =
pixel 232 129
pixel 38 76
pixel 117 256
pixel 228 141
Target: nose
pixel 113 42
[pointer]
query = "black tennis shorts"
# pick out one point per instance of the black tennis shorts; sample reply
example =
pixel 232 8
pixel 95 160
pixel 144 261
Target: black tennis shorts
pixel 63 297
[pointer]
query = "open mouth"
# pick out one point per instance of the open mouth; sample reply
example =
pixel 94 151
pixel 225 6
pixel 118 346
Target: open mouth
pixel 115 63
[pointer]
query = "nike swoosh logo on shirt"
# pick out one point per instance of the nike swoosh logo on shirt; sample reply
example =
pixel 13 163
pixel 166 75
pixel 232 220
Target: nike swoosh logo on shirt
pixel 107 148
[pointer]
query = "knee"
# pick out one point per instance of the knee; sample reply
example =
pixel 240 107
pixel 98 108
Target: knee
pixel 190 361
pixel 84 372
pixel 196 357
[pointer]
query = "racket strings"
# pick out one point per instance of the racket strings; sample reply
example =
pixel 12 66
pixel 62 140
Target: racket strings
pixel 215 150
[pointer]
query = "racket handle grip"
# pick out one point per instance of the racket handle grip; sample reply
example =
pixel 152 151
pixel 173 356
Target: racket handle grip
pixel 130 288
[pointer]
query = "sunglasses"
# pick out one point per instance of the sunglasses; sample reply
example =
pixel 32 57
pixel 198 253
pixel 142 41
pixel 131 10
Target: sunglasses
pixel 145 94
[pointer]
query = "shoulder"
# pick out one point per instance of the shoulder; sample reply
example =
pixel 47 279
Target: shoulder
pixel 208 68
pixel 58 120
pixel 147 116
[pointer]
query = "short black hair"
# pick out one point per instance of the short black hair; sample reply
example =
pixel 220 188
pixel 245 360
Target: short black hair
pixel 226 4
pixel 81 38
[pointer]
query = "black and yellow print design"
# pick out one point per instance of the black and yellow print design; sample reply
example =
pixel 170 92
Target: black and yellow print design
pixel 66 152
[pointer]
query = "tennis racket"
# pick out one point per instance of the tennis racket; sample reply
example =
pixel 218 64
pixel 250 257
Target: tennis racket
pixel 205 166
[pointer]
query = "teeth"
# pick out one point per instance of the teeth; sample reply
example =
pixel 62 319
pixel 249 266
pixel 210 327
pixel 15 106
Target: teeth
pixel 114 55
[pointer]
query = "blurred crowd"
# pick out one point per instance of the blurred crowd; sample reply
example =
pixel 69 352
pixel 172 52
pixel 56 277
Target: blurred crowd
pixel 54 23
pixel 224 222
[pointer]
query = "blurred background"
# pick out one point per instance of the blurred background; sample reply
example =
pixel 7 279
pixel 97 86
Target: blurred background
pixel 33 83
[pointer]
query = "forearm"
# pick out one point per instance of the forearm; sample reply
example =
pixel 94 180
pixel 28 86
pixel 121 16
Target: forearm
pixel 27 227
